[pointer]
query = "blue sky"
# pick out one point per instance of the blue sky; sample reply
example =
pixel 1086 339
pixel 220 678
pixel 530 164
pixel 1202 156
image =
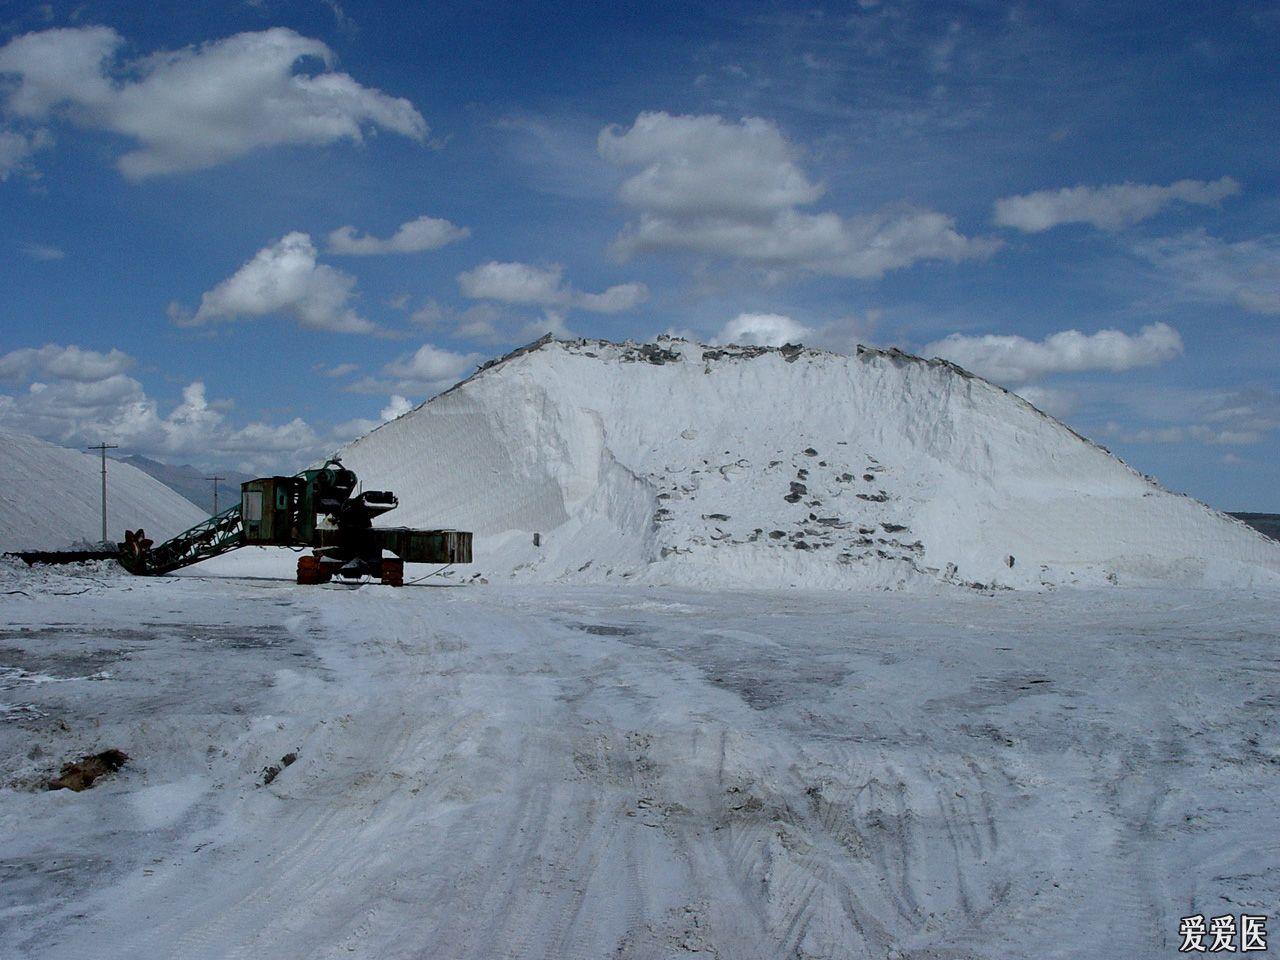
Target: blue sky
pixel 242 235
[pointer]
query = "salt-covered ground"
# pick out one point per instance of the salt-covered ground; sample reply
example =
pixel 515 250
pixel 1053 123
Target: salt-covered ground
pixel 620 771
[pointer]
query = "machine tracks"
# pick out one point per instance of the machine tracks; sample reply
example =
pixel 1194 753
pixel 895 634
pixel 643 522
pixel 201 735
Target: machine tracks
pixel 480 779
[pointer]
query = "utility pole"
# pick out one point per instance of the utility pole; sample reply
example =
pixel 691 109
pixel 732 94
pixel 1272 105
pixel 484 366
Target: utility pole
pixel 103 448
pixel 215 478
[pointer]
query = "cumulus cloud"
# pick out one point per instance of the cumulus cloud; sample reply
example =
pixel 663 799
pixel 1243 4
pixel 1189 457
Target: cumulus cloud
pixel 1110 207
pixel 63 66
pixel 732 190
pixel 427 370
pixel 763 330
pixel 1246 273
pixel 75 396
pixel 429 364
pixel 199 106
pixel 523 284
pixel 1014 359
pixel 705 165
pixel 17 148
pixel 513 283
pixel 283 278
pixel 397 406
pixel 64 363
pixel 424 233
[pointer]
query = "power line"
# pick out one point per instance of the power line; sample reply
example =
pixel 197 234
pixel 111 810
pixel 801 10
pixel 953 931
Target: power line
pixel 103 448
pixel 215 478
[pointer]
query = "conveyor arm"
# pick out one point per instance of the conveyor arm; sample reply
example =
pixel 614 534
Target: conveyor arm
pixel 208 539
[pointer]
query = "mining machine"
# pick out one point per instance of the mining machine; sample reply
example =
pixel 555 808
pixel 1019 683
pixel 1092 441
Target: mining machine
pixel 317 509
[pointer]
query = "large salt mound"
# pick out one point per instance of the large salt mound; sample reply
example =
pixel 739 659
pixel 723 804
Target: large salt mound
pixel 684 464
pixel 51 498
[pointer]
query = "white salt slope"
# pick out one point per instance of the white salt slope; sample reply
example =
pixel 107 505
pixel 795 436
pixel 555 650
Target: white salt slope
pixel 679 463
pixel 51 498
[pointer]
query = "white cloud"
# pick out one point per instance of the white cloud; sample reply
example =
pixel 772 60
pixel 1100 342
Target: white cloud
pixel 282 278
pixel 552 322
pixel 428 369
pixel 1110 207
pixel 349 430
pixel 1246 273
pixel 43 251
pixel 338 371
pixel 1250 410
pixel 340 17
pixel 54 67
pixel 1013 359
pixel 709 186
pixel 762 329
pixel 1234 416
pixel 558 155
pixel 1239 417
pixel 1183 434
pixel 424 233
pixel 706 166
pixel 82 396
pixel 199 106
pixel 429 314
pixel 397 406
pixel 864 247
pixel 843 334
pixel 479 322
pixel 513 283
pixel 521 283
pixel 1049 399
pixel 17 149
pixel 616 299
pixel 64 363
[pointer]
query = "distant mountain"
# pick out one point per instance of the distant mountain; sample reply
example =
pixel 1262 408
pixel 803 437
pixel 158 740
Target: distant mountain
pixel 191 482
pixel 1268 523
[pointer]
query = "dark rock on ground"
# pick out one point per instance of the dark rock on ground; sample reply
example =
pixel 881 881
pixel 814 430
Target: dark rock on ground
pixel 81 774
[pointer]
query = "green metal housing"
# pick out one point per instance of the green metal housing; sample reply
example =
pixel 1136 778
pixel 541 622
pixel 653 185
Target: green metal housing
pixel 269 509
pixel 412 546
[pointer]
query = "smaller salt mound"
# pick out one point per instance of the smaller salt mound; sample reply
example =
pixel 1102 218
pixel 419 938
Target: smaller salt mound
pixel 51 498
pixel 685 464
